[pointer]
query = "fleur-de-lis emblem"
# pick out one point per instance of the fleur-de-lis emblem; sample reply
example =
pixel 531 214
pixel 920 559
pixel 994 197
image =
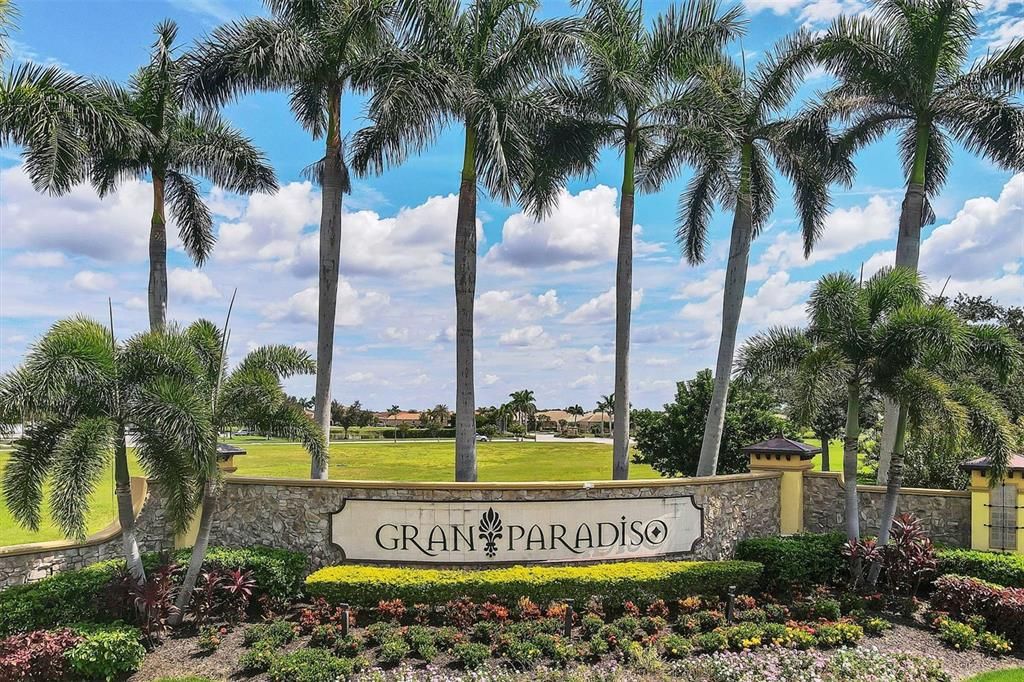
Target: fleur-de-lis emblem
pixel 490 531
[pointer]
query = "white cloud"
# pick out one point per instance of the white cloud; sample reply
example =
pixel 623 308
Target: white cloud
pixel 532 336
pixel 400 334
pixel 585 380
pixel 89 280
pixel 301 307
pixel 1007 31
pixel 708 284
pixel 601 308
pixel 776 301
pixel 507 305
pixel 39 259
pixel 595 355
pixel 581 231
pixel 360 377
pixel 810 11
pixel 490 379
pixel 191 285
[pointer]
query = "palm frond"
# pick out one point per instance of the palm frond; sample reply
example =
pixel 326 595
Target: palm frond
pixel 27 469
pixel 696 205
pixel 772 352
pixel 80 457
pixel 206 144
pixel 192 215
pixel 280 361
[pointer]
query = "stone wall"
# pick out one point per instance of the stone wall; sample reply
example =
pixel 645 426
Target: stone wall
pixel 27 563
pixel 946 514
pixel 294 514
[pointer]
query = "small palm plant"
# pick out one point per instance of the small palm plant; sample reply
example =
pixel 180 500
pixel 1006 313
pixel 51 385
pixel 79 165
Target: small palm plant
pixel 251 393
pixel 475 65
pixel 734 167
pixel 79 392
pixel 315 51
pixel 178 144
pixel 629 96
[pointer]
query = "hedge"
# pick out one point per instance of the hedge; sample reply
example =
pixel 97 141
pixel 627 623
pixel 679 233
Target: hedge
pixel 1002 569
pixel 1002 608
pixel 797 560
pixel 613 582
pixel 78 596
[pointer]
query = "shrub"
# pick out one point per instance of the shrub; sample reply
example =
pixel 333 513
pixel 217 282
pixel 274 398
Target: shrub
pixel 392 651
pixel 391 609
pixel 798 638
pixel 36 656
pixel 312 665
pixel 614 583
pixel 957 635
pixel 277 572
pixel 210 638
pixel 875 626
pixel 832 635
pixel 471 656
pixel 381 631
pixel 709 620
pixel 994 644
pixel 107 654
pixel 998 568
pixel 277 633
pixel 795 561
pixel 349 646
pixel 675 646
pixel 828 609
pixel 1001 607
pixel 744 636
pixel 710 642
pixel 522 653
pixel 259 658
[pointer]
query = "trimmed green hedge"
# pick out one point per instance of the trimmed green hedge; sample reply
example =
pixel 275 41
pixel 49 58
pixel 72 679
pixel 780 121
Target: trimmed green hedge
pixel 78 596
pixel 798 560
pixel 613 582
pixel 1003 569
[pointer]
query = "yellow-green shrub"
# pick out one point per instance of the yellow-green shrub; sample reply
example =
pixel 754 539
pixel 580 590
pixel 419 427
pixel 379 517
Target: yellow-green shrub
pixel 612 582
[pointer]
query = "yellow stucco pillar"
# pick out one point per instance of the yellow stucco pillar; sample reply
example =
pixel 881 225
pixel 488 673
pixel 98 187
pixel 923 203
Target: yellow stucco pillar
pixel 980 496
pixel 791 492
pixel 999 505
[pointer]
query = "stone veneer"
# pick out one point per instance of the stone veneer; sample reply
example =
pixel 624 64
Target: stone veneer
pixel 294 514
pixel 28 563
pixel 946 514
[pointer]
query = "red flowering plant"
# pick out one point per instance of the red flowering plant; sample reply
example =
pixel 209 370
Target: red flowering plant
pixel 908 558
pixel 237 586
pixel 36 656
pixel 154 602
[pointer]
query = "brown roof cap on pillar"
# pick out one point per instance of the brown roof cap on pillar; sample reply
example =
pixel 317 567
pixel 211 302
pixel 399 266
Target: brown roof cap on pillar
pixel 1015 463
pixel 780 445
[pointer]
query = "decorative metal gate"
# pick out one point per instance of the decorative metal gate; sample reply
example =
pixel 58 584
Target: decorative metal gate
pixel 1003 518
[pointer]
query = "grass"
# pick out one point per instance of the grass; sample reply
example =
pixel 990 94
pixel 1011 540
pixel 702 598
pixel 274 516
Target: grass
pixel 354 460
pixel 1015 675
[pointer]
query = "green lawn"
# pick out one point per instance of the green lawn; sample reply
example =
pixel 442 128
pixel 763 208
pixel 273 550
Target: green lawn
pixel 403 461
pixel 835 458
pixel 1015 675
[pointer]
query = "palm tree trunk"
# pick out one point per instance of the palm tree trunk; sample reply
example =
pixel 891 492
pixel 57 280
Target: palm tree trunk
pixel 465 290
pixel 908 253
pixel 157 258
pixel 824 437
pixel 732 304
pixel 195 562
pixel 892 487
pixel 623 313
pixel 330 255
pixel 125 510
pixel 850 445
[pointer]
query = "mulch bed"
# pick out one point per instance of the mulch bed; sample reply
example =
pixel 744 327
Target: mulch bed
pixel 179 656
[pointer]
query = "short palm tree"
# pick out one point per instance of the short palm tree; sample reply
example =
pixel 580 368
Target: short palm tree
pixel 734 167
pixel 251 393
pixel 842 347
pixel 903 69
pixel 179 144
pixel 79 391
pixel 627 96
pixel 606 406
pixel 523 402
pixel 314 50
pixel 576 411
pixel 474 65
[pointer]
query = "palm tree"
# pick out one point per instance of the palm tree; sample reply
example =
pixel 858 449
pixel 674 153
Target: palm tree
pixel 733 166
pixel 903 68
pixel 251 393
pixel 576 411
pixel 475 66
pixel 606 405
pixel 315 51
pixel 84 391
pixel 392 411
pixel 179 144
pixel 844 346
pixel 627 96
pixel 523 402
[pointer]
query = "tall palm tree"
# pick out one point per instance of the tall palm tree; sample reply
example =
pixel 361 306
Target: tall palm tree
pixel 84 391
pixel 844 346
pixel 251 393
pixel 315 50
pixel 627 96
pixel 179 143
pixel 523 402
pixel 576 411
pixel 606 406
pixel 903 69
pixel 473 65
pixel 392 411
pixel 733 166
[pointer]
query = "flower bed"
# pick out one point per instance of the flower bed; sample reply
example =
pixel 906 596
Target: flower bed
pixel 614 582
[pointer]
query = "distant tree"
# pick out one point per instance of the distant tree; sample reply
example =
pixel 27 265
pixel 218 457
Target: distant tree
pixel 576 411
pixel 524 405
pixel 392 411
pixel 670 441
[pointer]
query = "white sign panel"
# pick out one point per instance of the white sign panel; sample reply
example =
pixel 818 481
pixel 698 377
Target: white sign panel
pixel 521 532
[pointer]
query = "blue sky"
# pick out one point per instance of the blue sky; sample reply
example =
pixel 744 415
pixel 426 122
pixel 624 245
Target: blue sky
pixel 544 309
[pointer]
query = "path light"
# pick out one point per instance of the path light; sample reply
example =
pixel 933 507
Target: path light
pixel 344 619
pixel 730 604
pixel 567 625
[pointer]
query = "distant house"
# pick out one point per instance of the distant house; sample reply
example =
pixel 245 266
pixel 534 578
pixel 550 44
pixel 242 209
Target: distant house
pixel 397 419
pixel 560 421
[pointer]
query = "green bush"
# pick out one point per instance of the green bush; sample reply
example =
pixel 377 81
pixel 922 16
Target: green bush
pixel 259 658
pixel 614 583
pixel 957 635
pixel 1002 569
pixel 798 560
pixel 107 654
pixel 78 596
pixel 994 644
pixel 312 665
pixel 392 651
pixel 471 656
pixel 676 646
